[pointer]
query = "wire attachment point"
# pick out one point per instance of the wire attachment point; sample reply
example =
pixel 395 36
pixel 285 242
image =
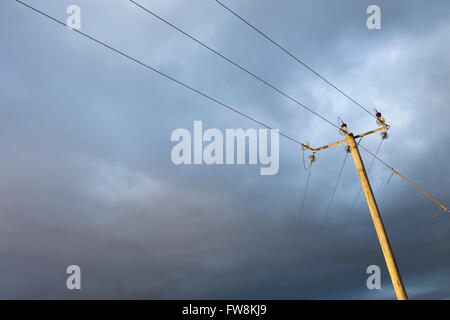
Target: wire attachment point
pixel 305 146
pixel 381 121
pixel 343 131
pixel 437 213
pixel 311 158
pixel 389 180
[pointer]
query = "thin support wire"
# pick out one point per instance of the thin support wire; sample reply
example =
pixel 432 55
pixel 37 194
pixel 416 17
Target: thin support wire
pixel 324 221
pixel 297 229
pixel 162 74
pixel 233 63
pixel 304 164
pixel 407 180
pixel 297 59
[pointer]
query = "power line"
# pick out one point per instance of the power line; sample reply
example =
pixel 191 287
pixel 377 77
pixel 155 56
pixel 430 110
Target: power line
pixel 299 222
pixel 324 220
pixel 209 97
pixel 233 63
pixel 404 178
pixel 206 96
pixel 164 75
pixel 296 58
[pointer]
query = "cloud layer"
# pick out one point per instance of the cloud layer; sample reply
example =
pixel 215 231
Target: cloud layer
pixel 85 170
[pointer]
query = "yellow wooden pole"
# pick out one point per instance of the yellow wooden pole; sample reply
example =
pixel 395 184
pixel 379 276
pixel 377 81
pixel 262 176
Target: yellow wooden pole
pixel 377 221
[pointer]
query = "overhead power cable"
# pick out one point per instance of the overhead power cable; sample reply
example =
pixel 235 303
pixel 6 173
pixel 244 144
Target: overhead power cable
pixel 233 63
pixel 165 75
pixel 206 95
pixel 296 59
pixel 211 98
pixel 299 223
pixel 324 221
pixel 404 178
pixel 225 105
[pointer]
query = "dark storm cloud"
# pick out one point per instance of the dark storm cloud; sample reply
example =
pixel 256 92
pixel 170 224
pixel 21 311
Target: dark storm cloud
pixel 86 176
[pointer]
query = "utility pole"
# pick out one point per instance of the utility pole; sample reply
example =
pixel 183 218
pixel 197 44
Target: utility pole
pixel 377 221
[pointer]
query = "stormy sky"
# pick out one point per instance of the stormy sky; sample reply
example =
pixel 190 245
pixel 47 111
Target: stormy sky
pixel 86 176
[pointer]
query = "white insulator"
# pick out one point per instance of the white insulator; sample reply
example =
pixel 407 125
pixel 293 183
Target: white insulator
pixel 381 121
pixel 343 131
pixel 305 145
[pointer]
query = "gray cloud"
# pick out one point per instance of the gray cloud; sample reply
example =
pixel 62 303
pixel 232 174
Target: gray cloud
pixel 86 176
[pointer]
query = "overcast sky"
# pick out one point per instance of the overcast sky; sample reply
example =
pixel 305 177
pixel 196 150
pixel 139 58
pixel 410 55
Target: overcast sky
pixel 86 176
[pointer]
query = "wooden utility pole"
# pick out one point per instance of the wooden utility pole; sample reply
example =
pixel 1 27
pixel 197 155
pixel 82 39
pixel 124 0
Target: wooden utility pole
pixel 377 221
pixel 379 227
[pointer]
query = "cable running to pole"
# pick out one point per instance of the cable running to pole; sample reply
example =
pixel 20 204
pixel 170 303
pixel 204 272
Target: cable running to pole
pixel 164 75
pixel 324 221
pixel 234 63
pixel 296 59
pixel 299 222
pixel 404 178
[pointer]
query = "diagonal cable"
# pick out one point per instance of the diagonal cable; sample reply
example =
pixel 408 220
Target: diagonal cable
pixel 296 59
pixel 234 63
pixel 299 222
pixel 163 74
pixel 324 221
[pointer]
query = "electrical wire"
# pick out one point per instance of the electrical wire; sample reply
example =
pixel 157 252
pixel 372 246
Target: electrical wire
pixel 198 91
pixel 324 220
pixel 233 109
pixel 296 59
pixel 297 229
pixel 304 165
pixel 404 178
pixel 164 75
pixel 233 63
